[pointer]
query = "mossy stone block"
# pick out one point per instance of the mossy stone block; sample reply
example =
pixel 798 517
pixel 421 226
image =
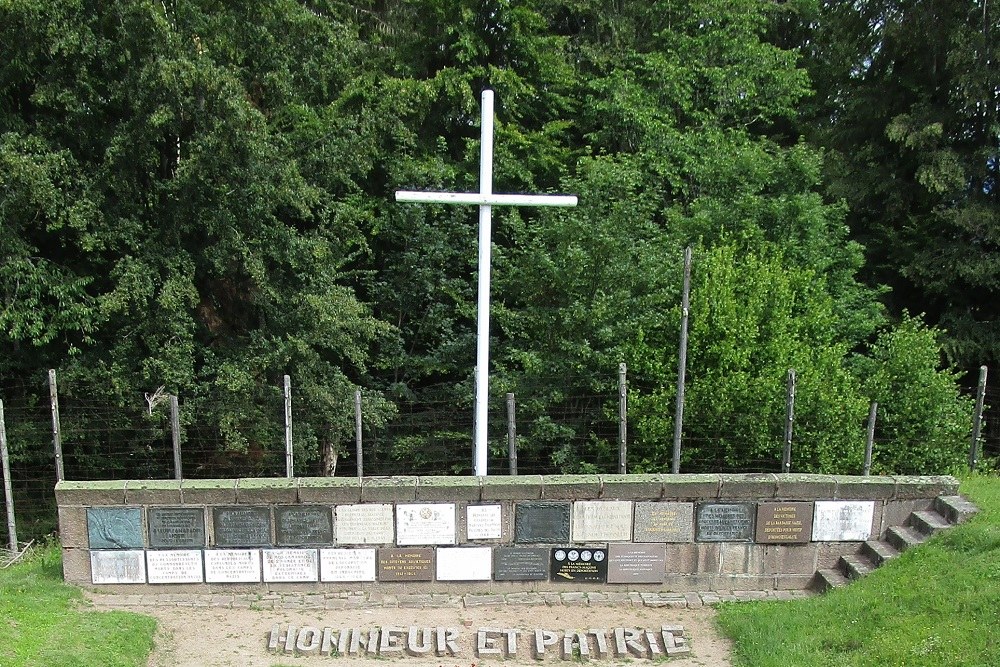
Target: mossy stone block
pixel 691 487
pixel 208 491
pixel 388 489
pixel 101 492
pixel 799 486
pixel 632 487
pixel 449 488
pixel 263 491
pixel 571 487
pixel 749 486
pixel 153 492
pixel 926 486
pixel 856 487
pixel 330 490
pixel 516 487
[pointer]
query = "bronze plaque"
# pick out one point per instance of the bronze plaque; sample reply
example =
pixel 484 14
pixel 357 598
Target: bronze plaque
pixel 784 523
pixel 405 564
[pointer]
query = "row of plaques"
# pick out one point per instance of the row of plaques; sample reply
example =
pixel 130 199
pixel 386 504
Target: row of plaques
pixel 434 524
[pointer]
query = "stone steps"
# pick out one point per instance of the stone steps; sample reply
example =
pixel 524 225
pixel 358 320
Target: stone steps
pixel 829 579
pixel 879 551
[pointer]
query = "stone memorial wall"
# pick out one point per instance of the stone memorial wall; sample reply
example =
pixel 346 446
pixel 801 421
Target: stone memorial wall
pixel 477 534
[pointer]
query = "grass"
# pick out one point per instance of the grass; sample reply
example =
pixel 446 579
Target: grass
pixel 44 622
pixel 935 606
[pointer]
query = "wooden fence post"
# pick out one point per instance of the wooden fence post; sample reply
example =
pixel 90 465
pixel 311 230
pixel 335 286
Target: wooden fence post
pixel 786 459
pixel 682 362
pixel 511 434
pixel 977 419
pixel 175 436
pixel 870 440
pixel 56 432
pixel 359 451
pixel 622 418
pixel 289 464
pixel 7 490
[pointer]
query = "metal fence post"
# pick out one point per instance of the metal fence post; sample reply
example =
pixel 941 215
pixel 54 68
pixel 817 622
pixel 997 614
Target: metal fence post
pixel 622 418
pixel 511 434
pixel 357 433
pixel 786 459
pixel 289 465
pixel 870 440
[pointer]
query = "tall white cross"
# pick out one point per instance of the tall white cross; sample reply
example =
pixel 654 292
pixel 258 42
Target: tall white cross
pixel 485 199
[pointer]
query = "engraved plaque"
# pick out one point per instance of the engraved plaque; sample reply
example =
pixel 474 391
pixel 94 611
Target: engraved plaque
pixel 303 525
pixel 425 524
pixel 843 520
pixel 784 523
pixel 347 564
pixel 290 565
pixel 242 526
pixel 725 522
pixel 664 522
pixel 520 563
pixel 483 522
pixel 464 563
pixel 405 564
pixel 364 524
pixel 118 567
pixel 602 521
pixel 115 527
pixel 176 527
pixel 541 522
pixel 174 567
pixel 232 566
pixel 636 563
pixel 579 564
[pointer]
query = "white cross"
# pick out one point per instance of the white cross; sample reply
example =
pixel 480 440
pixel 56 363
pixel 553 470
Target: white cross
pixel 485 199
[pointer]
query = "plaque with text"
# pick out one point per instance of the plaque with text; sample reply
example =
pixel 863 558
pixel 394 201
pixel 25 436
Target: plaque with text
pixel 242 526
pixel 843 520
pixel 520 563
pixel 483 522
pixel 636 563
pixel 405 564
pixel 725 522
pixel 179 566
pixel 579 565
pixel 118 567
pixel 115 527
pixel 541 522
pixel 303 525
pixel 232 566
pixel 664 522
pixel 290 565
pixel 602 521
pixel 347 564
pixel 176 527
pixel 430 523
pixel 784 523
pixel 464 563
pixel 364 524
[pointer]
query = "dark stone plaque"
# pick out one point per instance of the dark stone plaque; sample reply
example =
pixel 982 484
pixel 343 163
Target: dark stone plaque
pixel 242 526
pixel 579 564
pixel 636 563
pixel 725 522
pixel 406 564
pixel 520 563
pixel 784 523
pixel 541 522
pixel 176 527
pixel 303 525
pixel 115 527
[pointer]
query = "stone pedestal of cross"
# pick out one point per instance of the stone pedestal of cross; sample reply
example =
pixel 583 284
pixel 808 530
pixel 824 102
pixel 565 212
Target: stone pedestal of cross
pixel 485 200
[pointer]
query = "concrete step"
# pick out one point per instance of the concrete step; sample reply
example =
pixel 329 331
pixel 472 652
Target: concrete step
pixel 928 522
pixel 955 509
pixel 855 567
pixel 829 579
pixel 879 551
pixel 904 537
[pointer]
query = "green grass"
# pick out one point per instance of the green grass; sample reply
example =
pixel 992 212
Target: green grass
pixel 937 605
pixel 44 622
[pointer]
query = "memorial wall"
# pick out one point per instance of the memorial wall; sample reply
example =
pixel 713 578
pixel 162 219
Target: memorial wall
pixel 477 534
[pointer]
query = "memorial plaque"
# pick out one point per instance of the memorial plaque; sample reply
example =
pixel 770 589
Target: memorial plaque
pixel 179 566
pixel 290 565
pixel 364 524
pixel 115 527
pixel 419 524
pixel 541 522
pixel 464 563
pixel 232 566
pixel 843 520
pixel 725 522
pixel 118 567
pixel 176 527
pixel 347 564
pixel 303 525
pixel 483 522
pixel 636 563
pixel 405 564
pixel 242 526
pixel 602 521
pixel 664 522
pixel 579 565
pixel 784 523
pixel 520 563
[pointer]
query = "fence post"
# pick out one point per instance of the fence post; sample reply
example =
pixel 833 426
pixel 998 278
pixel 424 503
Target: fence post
pixel 786 459
pixel 56 434
pixel 289 466
pixel 977 419
pixel 622 418
pixel 511 434
pixel 357 433
pixel 175 436
pixel 870 440
pixel 682 362
pixel 7 491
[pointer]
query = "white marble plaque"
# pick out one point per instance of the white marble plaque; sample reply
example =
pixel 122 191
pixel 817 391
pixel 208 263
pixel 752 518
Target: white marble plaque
pixel 602 521
pixel 464 564
pixel 292 565
pixel 843 520
pixel 347 564
pixel 232 566
pixel 364 524
pixel 118 567
pixel 425 524
pixel 179 566
pixel 483 522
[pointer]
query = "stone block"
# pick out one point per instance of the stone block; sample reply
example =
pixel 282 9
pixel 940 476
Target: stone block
pixel 828 553
pixel 153 492
pixel 750 486
pixel 631 487
pixel 104 492
pixel 790 559
pixel 696 558
pixel 208 491
pixel 571 487
pixel 388 489
pixel 691 487
pixel 796 486
pixel 929 486
pixel 329 490
pixel 76 566
pixel 520 487
pixel 742 559
pixel 448 488
pixel 265 491
pixel 793 582
pixel 853 487
pixel 73 526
